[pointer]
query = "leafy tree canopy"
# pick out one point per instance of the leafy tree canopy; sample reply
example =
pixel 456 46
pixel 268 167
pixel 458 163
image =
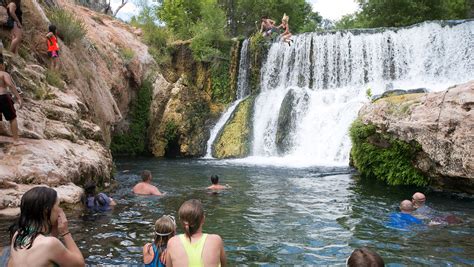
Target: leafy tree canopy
pixel 397 13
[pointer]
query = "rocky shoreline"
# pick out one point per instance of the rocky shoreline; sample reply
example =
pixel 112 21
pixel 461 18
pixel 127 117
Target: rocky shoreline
pixel 441 123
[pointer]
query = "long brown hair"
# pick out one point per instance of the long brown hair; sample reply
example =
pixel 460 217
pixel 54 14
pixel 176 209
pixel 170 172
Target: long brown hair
pixel 165 229
pixel 191 215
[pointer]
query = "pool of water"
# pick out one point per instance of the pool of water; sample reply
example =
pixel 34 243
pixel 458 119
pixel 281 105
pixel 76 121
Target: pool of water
pixel 272 215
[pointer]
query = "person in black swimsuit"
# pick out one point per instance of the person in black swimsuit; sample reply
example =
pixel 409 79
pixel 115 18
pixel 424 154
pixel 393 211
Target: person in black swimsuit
pixel 15 14
pixel 7 109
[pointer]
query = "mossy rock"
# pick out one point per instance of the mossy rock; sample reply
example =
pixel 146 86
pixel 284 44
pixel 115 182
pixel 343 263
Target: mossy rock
pixel 234 139
pixel 287 119
pixel 386 158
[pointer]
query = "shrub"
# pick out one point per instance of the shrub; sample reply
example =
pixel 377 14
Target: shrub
pixel 391 160
pixel 127 54
pixel 54 78
pixel 70 29
pixel 134 141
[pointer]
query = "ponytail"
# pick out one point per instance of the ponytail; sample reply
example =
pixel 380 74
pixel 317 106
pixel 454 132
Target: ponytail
pixel 191 215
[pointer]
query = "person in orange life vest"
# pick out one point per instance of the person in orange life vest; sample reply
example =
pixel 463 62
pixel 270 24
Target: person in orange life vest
pixel 53 47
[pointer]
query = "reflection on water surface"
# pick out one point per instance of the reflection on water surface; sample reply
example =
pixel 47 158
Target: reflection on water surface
pixel 272 215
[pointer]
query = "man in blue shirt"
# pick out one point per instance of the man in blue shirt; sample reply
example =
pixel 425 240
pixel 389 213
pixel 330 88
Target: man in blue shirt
pixel 403 220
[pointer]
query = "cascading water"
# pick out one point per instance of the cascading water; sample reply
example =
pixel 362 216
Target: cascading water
pixel 242 92
pixel 312 91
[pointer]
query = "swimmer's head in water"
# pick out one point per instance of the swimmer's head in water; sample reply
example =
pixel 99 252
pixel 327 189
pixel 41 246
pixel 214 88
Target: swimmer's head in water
pixel 364 257
pixel 191 215
pixel 35 215
pixel 146 176
pixel 214 179
pixel 418 199
pixel 406 206
pixel 165 228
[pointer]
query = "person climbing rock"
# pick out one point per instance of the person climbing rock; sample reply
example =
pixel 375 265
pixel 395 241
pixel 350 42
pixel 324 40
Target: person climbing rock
pixel 53 47
pixel 15 23
pixel 7 108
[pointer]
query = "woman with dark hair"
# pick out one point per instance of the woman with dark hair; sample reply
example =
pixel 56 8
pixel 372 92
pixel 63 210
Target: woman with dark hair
pixel 15 22
pixel 194 248
pixel 34 237
pixel 94 201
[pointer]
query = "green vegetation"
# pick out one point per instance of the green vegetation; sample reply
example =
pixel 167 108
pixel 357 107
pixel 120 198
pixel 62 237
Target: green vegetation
pixel 397 13
pixel 171 132
pixel 257 48
pixel 220 86
pixel 43 93
pixel 368 93
pixel 70 29
pixel 385 158
pixel 134 141
pixel 54 78
pixel 127 54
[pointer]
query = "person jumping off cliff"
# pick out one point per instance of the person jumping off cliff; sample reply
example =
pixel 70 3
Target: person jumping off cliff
pixel 267 27
pixel 7 108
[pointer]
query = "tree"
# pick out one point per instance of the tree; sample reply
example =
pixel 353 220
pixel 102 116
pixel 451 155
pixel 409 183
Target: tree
pixel 398 13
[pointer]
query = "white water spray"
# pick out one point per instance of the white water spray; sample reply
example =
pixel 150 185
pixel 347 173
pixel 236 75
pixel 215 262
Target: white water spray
pixel 334 70
pixel 242 92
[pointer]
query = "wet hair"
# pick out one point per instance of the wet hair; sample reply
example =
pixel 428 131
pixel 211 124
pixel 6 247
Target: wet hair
pixel 146 175
pixel 364 257
pixel 90 191
pixel 52 28
pixel 165 229
pixel 191 215
pixel 35 215
pixel 214 179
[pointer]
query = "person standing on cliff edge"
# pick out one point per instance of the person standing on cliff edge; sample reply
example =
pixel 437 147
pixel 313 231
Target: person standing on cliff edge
pixel 7 109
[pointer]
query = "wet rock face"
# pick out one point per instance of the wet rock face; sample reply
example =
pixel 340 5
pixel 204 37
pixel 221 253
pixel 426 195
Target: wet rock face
pixel 234 139
pixel 293 104
pixel 442 123
pixel 177 119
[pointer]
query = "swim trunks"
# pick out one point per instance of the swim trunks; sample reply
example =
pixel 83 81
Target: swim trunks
pixel 6 107
pixel 53 54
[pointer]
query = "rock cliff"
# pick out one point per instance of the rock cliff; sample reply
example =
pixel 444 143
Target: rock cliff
pixel 440 124
pixel 68 117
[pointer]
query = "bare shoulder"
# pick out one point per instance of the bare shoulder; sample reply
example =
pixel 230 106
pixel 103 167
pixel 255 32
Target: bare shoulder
pixel 215 238
pixel 173 241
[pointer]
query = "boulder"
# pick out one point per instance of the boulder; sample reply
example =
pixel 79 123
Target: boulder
pixel 235 137
pixel 294 104
pixel 442 123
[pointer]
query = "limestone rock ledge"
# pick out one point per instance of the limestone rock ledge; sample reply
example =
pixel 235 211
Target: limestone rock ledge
pixel 442 123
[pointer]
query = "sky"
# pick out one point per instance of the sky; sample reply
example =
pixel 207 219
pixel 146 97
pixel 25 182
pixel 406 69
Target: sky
pixel 334 9
pixel 329 9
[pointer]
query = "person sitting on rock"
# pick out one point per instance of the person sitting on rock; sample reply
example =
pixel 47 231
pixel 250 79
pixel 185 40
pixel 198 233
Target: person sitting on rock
pixel 7 108
pixel 94 201
pixel 154 254
pixel 286 35
pixel 362 257
pixel 215 184
pixel 35 235
pixel 403 220
pixel 422 211
pixel 145 187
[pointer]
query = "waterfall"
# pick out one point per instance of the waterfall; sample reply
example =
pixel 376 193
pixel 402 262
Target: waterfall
pixel 242 92
pixel 323 78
